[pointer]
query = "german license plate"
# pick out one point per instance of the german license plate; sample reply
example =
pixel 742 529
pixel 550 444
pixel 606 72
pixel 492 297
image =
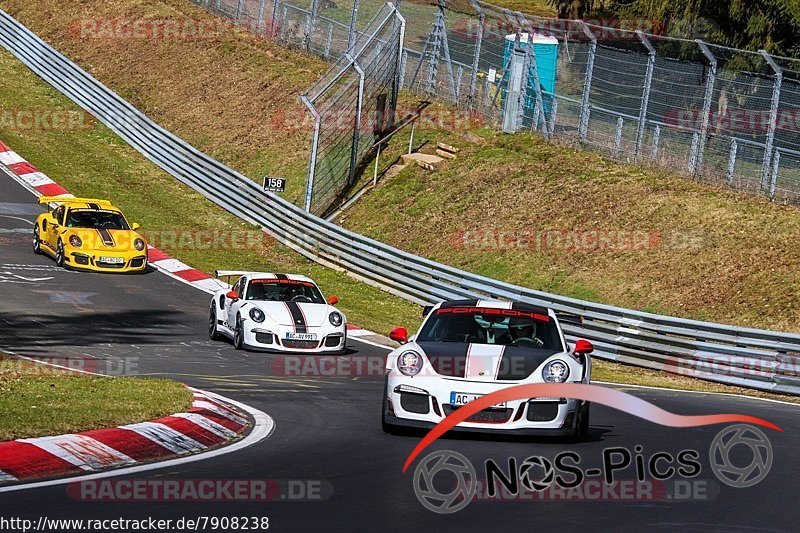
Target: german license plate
pixel 301 336
pixel 112 260
pixel 463 398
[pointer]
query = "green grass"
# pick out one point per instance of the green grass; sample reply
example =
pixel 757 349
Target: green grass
pixel 96 163
pixel 37 400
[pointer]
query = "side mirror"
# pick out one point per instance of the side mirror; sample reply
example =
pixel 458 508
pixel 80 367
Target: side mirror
pixel 135 226
pixel 333 300
pixel 233 295
pixel 583 347
pixel 400 335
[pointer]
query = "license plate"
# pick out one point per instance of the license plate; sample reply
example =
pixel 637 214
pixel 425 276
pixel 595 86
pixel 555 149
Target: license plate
pixel 301 336
pixel 112 260
pixel 463 398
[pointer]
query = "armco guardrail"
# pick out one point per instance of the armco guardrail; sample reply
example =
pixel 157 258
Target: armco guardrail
pixel 755 358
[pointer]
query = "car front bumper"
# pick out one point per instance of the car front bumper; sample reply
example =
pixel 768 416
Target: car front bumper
pixel 91 262
pixel 263 339
pixel 424 401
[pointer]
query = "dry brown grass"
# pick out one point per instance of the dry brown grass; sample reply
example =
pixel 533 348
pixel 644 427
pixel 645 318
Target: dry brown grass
pixel 714 254
pixel 235 96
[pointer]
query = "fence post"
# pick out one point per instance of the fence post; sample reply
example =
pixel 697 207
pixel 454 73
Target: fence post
pixel 656 141
pixel 312 165
pixel 707 102
pixel 328 41
pixel 311 21
pixel 618 136
pixel 648 83
pixel 351 37
pixel 351 177
pixel 587 84
pixel 773 119
pixel 732 162
pixel 776 165
pixel 239 7
pixel 478 48
pixel 399 66
pixel 275 8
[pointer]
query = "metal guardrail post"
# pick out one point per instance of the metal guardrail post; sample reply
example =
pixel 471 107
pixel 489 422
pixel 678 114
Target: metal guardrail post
pixel 648 83
pixel 587 85
pixel 312 165
pixel 708 100
pixel 773 119
pixel 351 177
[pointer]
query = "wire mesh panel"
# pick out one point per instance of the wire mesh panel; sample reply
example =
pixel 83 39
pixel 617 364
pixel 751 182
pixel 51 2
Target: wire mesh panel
pixel 717 113
pixel 353 106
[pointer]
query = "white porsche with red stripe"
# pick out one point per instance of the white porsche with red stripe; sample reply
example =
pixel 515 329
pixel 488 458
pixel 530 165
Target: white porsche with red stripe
pixel 276 312
pixel 466 349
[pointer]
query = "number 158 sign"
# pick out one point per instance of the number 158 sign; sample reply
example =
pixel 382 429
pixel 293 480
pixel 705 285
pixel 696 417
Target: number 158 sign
pixel 274 184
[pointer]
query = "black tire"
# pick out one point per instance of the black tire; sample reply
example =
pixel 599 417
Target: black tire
pixel 582 425
pixel 238 335
pixel 213 332
pixel 60 254
pixel 37 243
pixel 385 425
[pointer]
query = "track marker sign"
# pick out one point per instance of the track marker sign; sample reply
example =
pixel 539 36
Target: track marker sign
pixel 274 184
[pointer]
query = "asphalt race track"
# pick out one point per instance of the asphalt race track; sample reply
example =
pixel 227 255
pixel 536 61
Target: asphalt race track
pixel 328 428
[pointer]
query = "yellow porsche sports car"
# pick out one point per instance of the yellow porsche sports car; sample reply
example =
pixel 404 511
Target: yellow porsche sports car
pixel 87 234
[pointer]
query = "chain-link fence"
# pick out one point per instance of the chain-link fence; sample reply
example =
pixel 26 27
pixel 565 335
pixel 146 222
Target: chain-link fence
pixel 719 114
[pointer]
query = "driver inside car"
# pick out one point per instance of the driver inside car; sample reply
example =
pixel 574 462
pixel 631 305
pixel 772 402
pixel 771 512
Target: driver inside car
pixel 522 332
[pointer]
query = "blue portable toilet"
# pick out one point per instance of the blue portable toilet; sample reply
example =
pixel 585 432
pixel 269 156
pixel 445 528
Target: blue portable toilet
pixel 545 50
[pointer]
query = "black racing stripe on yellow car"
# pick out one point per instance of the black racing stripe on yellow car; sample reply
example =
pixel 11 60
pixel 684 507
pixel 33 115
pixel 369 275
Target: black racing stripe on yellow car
pixel 108 239
pixel 94 206
pixel 298 318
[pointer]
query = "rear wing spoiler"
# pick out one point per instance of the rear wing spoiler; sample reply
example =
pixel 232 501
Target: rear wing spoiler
pixel 69 199
pixel 227 275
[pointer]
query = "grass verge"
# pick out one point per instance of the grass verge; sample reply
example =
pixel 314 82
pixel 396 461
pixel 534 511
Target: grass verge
pixel 38 400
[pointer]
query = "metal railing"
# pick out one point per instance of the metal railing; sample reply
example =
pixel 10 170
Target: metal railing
pixel 637 96
pixel 755 358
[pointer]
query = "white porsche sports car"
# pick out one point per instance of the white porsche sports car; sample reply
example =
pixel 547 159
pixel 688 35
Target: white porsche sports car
pixel 469 348
pixel 276 312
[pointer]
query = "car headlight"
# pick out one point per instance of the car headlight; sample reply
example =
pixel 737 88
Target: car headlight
pixel 556 371
pixel 335 319
pixel 409 363
pixel 75 241
pixel 138 244
pixel 257 314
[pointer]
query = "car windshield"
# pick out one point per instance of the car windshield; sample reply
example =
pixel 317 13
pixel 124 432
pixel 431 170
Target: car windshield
pixel 281 290
pixel 90 218
pixel 507 327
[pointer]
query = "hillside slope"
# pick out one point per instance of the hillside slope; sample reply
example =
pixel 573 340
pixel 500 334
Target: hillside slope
pixel 570 222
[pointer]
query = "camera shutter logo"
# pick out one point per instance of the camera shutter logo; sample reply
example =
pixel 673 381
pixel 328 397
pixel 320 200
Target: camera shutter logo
pixel 526 476
pixel 453 464
pixel 739 436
